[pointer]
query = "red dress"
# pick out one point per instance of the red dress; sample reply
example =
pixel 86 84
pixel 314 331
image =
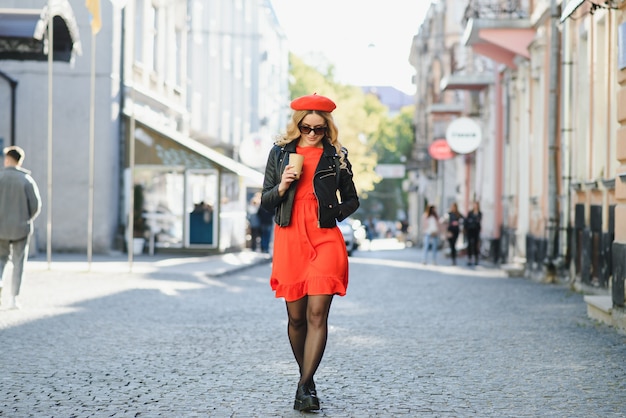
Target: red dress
pixel 308 260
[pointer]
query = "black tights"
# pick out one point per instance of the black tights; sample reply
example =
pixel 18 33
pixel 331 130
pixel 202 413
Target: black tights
pixel 473 238
pixel 452 242
pixel 308 331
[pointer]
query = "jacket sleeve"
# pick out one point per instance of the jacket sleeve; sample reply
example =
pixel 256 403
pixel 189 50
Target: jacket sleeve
pixel 347 191
pixel 270 198
pixel 33 198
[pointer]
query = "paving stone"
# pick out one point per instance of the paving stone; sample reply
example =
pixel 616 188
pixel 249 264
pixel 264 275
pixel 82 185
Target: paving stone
pixel 167 340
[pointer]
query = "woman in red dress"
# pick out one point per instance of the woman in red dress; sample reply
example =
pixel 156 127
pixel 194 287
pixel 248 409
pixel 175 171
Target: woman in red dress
pixel 310 263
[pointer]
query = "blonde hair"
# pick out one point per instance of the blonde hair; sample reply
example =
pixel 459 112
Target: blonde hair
pixel 332 133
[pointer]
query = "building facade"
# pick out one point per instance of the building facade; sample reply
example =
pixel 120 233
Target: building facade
pixel 452 82
pixel 179 87
pixel 553 92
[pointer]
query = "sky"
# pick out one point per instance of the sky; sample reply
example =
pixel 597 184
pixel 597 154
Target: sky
pixel 368 42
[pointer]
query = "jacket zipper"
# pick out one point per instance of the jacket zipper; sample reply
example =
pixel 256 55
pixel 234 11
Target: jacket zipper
pixel 319 210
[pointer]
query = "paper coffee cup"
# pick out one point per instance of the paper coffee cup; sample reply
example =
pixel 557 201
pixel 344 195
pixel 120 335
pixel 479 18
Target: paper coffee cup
pixel 296 161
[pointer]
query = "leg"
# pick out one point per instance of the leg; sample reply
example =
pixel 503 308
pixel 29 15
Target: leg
pixel 435 244
pixel 5 248
pixel 266 233
pixel 254 236
pixel 471 247
pixel 451 243
pixel 18 257
pixel 297 328
pixel 316 335
pixel 425 245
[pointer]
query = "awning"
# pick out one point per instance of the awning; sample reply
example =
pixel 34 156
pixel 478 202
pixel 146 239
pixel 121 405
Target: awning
pixel 254 177
pixel 500 39
pixel 466 82
pixel 23 33
pixel 571 7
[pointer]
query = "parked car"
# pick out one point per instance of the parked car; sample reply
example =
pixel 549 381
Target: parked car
pixel 353 233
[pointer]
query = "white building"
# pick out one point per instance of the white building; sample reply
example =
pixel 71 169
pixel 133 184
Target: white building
pixel 177 79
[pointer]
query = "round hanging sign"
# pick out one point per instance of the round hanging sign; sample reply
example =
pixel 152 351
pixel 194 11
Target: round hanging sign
pixel 440 150
pixel 254 149
pixel 463 135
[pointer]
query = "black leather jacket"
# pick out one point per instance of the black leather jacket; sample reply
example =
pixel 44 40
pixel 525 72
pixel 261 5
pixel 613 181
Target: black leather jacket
pixel 328 178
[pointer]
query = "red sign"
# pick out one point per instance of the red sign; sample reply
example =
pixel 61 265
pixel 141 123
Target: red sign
pixel 440 150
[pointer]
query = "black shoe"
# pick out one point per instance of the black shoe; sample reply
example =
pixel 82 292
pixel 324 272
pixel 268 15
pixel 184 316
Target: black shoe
pixel 305 400
pixel 311 386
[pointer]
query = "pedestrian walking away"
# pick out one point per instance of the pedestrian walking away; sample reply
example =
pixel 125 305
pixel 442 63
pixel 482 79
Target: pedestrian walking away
pixel 310 260
pixel 472 227
pixel 430 227
pixel 254 223
pixel 453 220
pixel 266 219
pixel 20 204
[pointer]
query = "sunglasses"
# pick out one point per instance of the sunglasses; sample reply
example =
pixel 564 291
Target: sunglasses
pixel 307 130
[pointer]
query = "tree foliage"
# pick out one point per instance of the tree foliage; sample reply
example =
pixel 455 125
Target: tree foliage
pixel 356 116
pixel 365 129
pixel 392 142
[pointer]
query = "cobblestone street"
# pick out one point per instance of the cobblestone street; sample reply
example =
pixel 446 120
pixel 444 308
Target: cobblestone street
pixel 407 340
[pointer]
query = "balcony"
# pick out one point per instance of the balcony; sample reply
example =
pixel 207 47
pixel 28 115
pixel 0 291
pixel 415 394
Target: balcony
pixel 496 9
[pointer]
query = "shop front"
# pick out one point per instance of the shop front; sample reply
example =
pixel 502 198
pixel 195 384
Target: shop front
pixel 184 194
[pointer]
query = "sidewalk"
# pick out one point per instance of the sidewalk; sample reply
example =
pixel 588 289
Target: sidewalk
pixel 210 265
pixel 70 277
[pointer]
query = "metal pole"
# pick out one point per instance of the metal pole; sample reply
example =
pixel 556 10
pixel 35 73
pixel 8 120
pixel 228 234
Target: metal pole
pixel 552 135
pixel 49 208
pixel 131 182
pixel 91 151
pixel 131 165
pixel 566 154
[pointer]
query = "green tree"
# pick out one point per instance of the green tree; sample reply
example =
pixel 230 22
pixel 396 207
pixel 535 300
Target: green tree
pixel 367 131
pixel 357 117
pixel 392 143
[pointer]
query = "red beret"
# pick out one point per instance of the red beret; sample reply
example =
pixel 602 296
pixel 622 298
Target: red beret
pixel 313 102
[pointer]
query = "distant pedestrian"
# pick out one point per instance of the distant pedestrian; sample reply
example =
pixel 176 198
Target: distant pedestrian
pixel 472 227
pixel 431 230
pixel 310 263
pixel 453 220
pixel 254 223
pixel 20 204
pixel 266 221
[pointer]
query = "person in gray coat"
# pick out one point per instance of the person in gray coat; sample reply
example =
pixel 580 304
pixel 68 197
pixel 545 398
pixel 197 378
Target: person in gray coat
pixel 20 204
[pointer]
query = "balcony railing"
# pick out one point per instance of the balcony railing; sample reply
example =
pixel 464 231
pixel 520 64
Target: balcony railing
pixel 496 9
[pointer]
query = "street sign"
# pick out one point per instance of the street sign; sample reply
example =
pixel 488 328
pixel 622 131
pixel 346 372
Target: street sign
pixel 254 149
pixel 391 171
pixel 440 150
pixel 463 135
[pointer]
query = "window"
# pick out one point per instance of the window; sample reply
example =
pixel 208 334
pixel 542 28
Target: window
pixel 139 31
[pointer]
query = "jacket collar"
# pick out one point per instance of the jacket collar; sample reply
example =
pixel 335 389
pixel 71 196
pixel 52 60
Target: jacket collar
pixel 329 149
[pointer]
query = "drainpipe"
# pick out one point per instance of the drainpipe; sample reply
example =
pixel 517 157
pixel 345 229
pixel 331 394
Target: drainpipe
pixel 566 133
pixel 13 83
pixel 552 134
pixel 499 154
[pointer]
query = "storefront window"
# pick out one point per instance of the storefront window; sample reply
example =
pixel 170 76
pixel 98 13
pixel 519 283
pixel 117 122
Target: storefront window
pixel 201 200
pixel 232 213
pixel 162 210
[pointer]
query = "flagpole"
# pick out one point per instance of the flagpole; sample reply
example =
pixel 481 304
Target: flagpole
pixel 94 9
pixel 131 180
pixel 49 209
pixel 91 151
